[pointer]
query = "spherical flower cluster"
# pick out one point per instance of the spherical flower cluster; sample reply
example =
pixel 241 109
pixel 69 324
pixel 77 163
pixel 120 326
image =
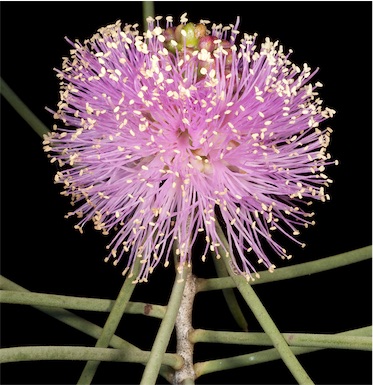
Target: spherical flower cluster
pixel 169 132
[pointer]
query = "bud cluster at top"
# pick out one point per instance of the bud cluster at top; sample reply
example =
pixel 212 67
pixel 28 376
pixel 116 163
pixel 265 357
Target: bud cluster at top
pixel 196 39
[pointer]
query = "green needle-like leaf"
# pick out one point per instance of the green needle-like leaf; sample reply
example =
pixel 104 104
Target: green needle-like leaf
pixel 36 124
pixel 165 330
pixel 203 368
pixel 111 324
pixel 330 341
pixel 230 296
pixel 265 320
pixel 72 353
pixel 78 303
pixel 95 331
pixel 147 10
pixel 295 271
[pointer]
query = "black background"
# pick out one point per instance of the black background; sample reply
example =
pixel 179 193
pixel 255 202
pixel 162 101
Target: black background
pixel 42 252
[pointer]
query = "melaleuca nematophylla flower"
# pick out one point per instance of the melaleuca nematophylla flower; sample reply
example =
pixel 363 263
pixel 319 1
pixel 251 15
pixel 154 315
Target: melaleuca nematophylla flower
pixel 167 133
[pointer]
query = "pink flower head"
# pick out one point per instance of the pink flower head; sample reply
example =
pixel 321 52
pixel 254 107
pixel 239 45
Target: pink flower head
pixel 166 134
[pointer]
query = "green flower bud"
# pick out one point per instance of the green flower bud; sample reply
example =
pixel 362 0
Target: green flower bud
pixel 190 39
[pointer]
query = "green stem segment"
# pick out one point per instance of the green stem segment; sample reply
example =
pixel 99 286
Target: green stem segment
pixel 78 303
pixel 230 297
pixel 147 10
pixel 271 329
pixel 95 331
pixel 203 368
pixel 265 320
pixel 165 330
pixel 72 319
pixel 36 124
pixel 330 341
pixel 110 325
pixel 78 353
pixel 295 271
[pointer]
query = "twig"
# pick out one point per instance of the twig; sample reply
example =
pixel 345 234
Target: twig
pixel 184 347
